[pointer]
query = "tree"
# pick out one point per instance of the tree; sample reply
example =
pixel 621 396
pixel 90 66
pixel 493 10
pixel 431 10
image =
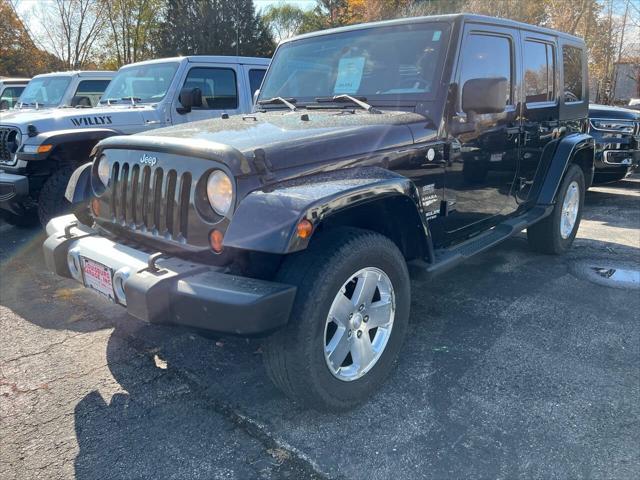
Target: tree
pixel 213 27
pixel 284 20
pixel 19 56
pixel 73 30
pixel 130 25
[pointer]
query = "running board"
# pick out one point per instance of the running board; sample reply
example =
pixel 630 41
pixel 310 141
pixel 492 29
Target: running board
pixel 448 258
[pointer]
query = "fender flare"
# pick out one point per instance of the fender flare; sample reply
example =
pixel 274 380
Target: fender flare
pixel 79 186
pixel 266 220
pixel 568 147
pixel 57 138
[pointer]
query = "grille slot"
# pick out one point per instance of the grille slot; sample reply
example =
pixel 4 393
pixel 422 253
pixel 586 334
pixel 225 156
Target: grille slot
pixel 150 199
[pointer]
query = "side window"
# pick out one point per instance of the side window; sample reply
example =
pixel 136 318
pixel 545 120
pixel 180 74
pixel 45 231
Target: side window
pixel 10 95
pixel 487 56
pixel 255 79
pixel 92 90
pixel 218 87
pixel 572 65
pixel 539 71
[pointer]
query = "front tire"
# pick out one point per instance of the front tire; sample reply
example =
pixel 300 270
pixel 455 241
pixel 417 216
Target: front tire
pixel 555 233
pixel 51 201
pixel 348 321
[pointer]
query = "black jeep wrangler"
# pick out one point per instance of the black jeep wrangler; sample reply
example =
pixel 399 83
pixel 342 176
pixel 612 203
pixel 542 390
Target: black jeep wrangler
pixel 373 148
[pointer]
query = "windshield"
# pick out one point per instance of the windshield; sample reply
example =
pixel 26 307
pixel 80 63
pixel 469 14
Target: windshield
pixel 401 61
pixel 45 91
pixel 144 83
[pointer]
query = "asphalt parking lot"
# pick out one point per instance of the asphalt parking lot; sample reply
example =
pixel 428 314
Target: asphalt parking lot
pixel 517 365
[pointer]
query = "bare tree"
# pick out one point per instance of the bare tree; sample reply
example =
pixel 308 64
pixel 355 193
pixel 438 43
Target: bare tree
pixel 72 30
pixel 130 24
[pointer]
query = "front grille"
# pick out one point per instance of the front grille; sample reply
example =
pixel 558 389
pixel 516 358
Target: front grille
pixel 7 143
pixel 151 200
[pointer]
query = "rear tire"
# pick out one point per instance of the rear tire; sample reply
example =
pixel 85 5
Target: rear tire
pixel 555 233
pixel 51 201
pixel 297 358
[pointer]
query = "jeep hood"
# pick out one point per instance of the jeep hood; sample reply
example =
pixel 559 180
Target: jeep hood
pixel 284 139
pixel 51 119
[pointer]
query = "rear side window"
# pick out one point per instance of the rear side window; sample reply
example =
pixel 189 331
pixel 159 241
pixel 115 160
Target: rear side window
pixel 572 65
pixel 92 89
pixel 539 71
pixel 487 56
pixel 218 87
pixel 255 79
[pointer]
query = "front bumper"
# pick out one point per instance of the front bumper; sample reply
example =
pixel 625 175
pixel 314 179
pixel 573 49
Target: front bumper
pixel 171 290
pixel 621 158
pixel 14 189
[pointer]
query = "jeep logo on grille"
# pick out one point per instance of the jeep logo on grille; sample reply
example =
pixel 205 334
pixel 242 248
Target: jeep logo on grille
pixel 148 160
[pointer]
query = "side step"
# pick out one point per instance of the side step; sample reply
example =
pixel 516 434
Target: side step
pixel 448 258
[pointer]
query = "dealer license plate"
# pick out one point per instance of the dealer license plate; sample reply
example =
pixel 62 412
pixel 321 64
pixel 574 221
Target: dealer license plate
pixel 98 277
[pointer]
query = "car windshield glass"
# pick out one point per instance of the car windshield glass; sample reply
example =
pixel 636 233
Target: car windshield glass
pixel 47 91
pixel 144 83
pixel 400 61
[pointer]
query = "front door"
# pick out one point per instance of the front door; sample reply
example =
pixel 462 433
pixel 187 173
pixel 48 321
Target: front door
pixel 484 154
pixel 219 87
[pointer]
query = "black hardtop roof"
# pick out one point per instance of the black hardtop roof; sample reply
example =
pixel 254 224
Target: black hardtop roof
pixel 451 18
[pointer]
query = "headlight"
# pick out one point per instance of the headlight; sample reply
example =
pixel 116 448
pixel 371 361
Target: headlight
pixel 18 140
pixel 219 192
pixel 103 170
pixel 619 126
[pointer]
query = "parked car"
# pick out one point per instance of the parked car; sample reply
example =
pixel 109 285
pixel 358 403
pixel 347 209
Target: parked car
pixel 63 89
pixel 301 221
pixel 634 104
pixel 10 90
pixel 38 153
pixel 617 134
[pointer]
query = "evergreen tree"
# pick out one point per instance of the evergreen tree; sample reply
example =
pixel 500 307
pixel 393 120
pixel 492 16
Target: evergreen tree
pixel 212 27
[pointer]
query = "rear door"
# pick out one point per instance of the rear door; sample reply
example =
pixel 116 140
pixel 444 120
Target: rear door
pixel 540 109
pixel 480 176
pixel 219 84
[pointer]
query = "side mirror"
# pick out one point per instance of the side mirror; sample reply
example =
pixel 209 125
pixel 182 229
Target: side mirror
pixel 484 95
pixel 189 98
pixel 80 101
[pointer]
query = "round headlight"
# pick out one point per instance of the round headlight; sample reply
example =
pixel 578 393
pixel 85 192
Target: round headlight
pixel 103 170
pixel 18 140
pixel 219 192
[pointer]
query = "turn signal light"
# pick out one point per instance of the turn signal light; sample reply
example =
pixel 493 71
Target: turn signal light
pixel 304 228
pixel 215 240
pixel 44 148
pixel 95 207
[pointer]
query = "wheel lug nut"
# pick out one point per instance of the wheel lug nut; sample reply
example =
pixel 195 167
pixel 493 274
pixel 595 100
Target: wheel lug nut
pixel 349 334
pixel 359 333
pixel 361 307
pixel 366 318
pixel 350 316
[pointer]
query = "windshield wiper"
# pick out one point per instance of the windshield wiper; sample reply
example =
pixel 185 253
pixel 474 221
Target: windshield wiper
pixel 289 102
pixel 348 98
pixel 133 100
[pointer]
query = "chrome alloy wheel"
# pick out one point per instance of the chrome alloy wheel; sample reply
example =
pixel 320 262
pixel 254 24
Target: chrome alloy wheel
pixel 570 207
pixel 359 324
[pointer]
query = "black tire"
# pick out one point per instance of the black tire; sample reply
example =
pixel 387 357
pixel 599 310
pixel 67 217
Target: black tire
pixel 27 220
pixel 545 236
pixel 51 201
pixel 294 356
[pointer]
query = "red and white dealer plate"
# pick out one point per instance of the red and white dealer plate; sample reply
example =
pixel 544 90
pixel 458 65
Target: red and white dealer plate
pixel 98 277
